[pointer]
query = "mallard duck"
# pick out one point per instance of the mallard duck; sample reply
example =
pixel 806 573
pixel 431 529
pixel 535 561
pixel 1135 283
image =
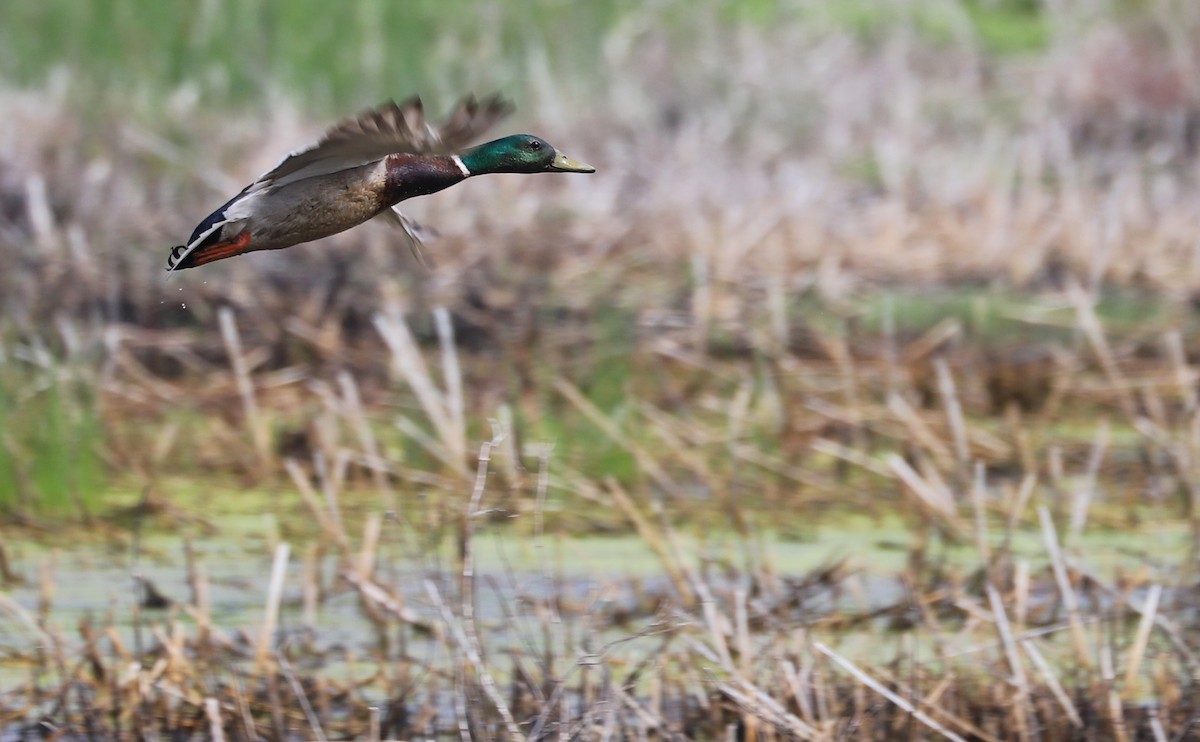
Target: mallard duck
pixel 360 169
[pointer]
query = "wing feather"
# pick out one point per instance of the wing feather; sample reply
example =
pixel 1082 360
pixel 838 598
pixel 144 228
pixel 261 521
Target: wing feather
pixel 378 132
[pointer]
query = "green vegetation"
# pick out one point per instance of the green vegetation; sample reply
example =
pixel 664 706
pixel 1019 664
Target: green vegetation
pixel 232 52
pixel 51 439
pixel 1011 26
pixel 993 318
pixel 1001 27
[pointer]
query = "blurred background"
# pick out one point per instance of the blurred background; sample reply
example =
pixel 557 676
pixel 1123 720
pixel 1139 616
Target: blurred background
pixel 780 182
pixel 852 275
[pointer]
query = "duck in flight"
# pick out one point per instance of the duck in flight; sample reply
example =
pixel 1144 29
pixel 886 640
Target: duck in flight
pixel 361 169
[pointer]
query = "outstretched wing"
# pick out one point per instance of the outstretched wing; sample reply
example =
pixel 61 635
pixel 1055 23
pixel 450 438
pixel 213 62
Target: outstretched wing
pixel 379 132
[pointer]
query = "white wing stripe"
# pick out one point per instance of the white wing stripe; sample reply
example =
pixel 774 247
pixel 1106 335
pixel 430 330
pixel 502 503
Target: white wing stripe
pixel 195 243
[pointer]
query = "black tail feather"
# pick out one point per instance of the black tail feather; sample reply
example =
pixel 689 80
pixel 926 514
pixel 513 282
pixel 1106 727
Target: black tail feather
pixel 173 258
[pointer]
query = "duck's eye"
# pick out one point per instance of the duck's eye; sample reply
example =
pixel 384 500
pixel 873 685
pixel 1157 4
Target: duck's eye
pixel 534 145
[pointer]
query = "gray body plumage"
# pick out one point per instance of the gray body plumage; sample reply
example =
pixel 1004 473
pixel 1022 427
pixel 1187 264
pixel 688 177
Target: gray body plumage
pixel 309 209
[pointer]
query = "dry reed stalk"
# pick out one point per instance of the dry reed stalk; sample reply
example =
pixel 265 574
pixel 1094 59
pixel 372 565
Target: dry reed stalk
pixel 1185 377
pixel 467 548
pixel 384 598
pixel 212 711
pixel 466 634
pixel 891 356
pixel 1153 404
pixel 26 619
pixel 266 634
pixel 702 299
pixel 655 692
pixel 741 622
pixel 686 451
pixel 755 456
pixel 954 413
pixel 646 718
pixel 470 650
pixel 442 407
pixel 145 380
pixel 1164 623
pixel 1021 436
pixel 1185 458
pixel 47 586
pixel 366 437
pixel 930 621
pixel 1011 652
pixel 410 428
pixel 310 716
pixel 1093 330
pixel 1116 711
pixel 870 682
pixel 203 614
pixel 931 340
pixel 757 704
pixel 254 419
pixel 1021 584
pixel 1024 493
pixel 1054 466
pixel 311 585
pixel 370 545
pixel 373 724
pixel 7 575
pixel 1188 464
pixel 1050 538
pixel 331 528
pixel 120 652
pixel 1156 726
pixel 921 432
pixel 936 501
pixel 653 538
pixel 451 377
pixel 930 703
pixel 796 686
pixel 332 479
pixel 676 549
pixel 851 456
pixel 541 487
pixel 593 413
pixel 777 296
pixel 933 476
pixel 838 350
pixel 243 706
pixel 1145 625
pixel 1084 493
pixel 1051 680
pixel 978 493
pixel 974 610
pixel 717 626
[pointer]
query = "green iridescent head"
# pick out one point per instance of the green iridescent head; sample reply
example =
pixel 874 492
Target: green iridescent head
pixel 520 153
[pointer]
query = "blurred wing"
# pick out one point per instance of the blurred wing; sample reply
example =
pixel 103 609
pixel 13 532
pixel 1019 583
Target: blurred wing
pixel 377 133
pixel 417 232
pixel 468 121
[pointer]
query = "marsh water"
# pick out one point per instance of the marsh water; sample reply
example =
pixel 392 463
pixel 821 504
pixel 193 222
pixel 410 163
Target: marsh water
pixel 65 581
